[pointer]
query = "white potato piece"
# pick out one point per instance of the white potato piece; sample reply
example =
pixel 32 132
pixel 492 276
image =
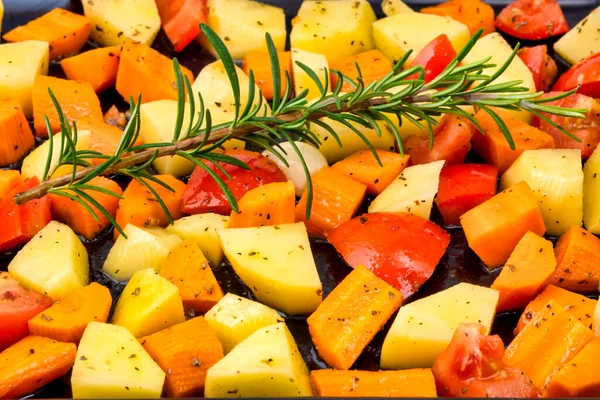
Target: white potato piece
pixel 1 14
pixel 393 7
pixel 591 192
pixel 582 40
pixel 302 81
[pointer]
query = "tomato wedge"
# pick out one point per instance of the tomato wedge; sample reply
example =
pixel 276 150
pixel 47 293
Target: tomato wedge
pixel 402 249
pixel 542 66
pixel 203 194
pixel 434 57
pixel 532 19
pixel 471 366
pixel 585 74
pixel 181 20
pixel 17 307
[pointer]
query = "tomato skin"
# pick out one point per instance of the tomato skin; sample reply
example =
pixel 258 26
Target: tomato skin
pixel 434 57
pixel 463 187
pixel 471 366
pixel 203 195
pixel 181 20
pixel 542 66
pixel 17 307
pixel 585 73
pixel 532 19
pixel 402 249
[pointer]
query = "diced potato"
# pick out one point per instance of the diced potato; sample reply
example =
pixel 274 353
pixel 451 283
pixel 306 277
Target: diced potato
pixel 266 364
pixel 111 363
pixel 302 81
pixel 204 229
pixel 276 262
pixel 397 34
pixel 234 318
pixel 35 162
pixel 54 262
pixel 143 248
pixel 19 64
pixel 591 192
pixel 556 179
pixel 424 328
pixel 596 320
pixel 412 192
pixel 494 46
pixel 243 24
pixel 582 40
pixel 336 29
pixel 1 14
pixel 393 7
pixel 115 21
pixel 148 304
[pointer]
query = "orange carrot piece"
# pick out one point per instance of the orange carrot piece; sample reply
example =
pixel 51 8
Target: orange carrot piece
pixel 579 307
pixel 364 168
pixel 406 383
pixel 373 65
pixel 78 217
pixel 336 198
pixel 9 179
pixel 77 100
pixel 348 319
pixel 139 206
pixel 494 148
pixel 98 67
pixel 578 378
pixel 527 271
pixel 474 13
pixel 270 204
pixel 578 257
pixel 259 63
pixel 187 268
pixel 66 319
pixel 66 32
pixel 105 138
pixel 146 71
pixel 16 139
pixel 32 363
pixel 186 351
pixel 494 227
pixel 546 344
pixel 452 142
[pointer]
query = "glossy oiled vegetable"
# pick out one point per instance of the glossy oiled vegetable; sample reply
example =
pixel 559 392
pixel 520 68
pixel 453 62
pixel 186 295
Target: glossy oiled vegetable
pixel 17 137
pixel 98 67
pixel 373 67
pixel 591 193
pixel 582 40
pixel 270 204
pixel 391 7
pixel 302 81
pixel 474 13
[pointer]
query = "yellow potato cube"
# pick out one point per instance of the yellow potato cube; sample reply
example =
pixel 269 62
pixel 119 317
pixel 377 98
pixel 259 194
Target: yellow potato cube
pixel 393 7
pixel 591 193
pixel 302 81
pixel 582 40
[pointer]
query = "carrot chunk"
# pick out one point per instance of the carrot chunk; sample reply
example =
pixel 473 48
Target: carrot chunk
pixel 146 71
pixel 9 179
pixel 187 268
pixel 373 65
pixel 98 67
pixel 474 13
pixel 494 148
pixel 579 307
pixel 336 198
pixel 494 227
pixel 77 100
pixel 364 168
pixel 578 257
pixel 16 139
pixel 66 319
pixel 33 363
pixel 66 32
pixel 348 319
pixel 270 204
pixel 524 275
pixel 259 63
pixel 547 343
pixel 104 139
pixel 407 383
pixel 186 351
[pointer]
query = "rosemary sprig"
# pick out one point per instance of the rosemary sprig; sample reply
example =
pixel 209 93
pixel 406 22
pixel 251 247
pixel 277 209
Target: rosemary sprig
pixel 289 119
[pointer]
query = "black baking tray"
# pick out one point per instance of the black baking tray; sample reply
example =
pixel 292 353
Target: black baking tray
pixel 459 264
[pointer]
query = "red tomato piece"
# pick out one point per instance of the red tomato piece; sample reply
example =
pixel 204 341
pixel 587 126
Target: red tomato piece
pixel 587 129
pixel 21 223
pixel 532 19
pixel 402 249
pixel 542 66
pixel 471 366
pixel 452 142
pixel 17 307
pixel 585 74
pixel 434 57
pixel 181 20
pixel 463 187
pixel 203 194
